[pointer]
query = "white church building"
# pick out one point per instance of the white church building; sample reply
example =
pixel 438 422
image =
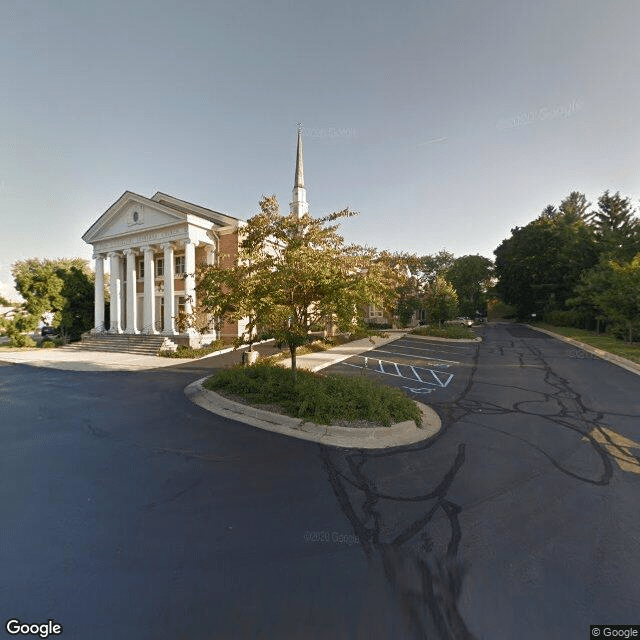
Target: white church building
pixel 153 246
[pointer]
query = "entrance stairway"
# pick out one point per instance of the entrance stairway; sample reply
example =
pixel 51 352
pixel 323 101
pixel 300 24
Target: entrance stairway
pixel 141 344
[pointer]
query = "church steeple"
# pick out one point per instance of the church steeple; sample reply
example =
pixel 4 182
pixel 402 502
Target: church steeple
pixel 299 181
pixel 299 206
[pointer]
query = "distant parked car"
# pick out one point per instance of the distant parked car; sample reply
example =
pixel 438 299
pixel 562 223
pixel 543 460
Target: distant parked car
pixel 49 332
pixel 466 322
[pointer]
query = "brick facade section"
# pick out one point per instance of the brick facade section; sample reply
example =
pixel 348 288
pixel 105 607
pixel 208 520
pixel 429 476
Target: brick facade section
pixel 228 252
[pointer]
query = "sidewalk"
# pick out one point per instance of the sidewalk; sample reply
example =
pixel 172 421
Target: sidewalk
pixel 323 359
pixel 74 360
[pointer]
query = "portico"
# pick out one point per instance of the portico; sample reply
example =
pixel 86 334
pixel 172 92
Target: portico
pixel 151 247
pixel 149 305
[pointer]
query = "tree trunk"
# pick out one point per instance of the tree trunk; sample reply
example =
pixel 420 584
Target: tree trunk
pixel 292 350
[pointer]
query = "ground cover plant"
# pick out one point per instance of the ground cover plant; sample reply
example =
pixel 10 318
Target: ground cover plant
pixel 187 352
pixel 603 341
pixel 450 331
pixel 317 398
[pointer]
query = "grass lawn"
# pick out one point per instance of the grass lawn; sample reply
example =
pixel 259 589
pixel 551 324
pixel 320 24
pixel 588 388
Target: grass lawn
pixel 451 331
pixel 317 398
pixel 603 341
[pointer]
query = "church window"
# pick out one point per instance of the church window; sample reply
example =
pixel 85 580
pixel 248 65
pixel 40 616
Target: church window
pixel 179 265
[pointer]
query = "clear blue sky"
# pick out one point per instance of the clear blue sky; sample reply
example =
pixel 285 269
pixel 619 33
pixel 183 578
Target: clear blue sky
pixel 444 123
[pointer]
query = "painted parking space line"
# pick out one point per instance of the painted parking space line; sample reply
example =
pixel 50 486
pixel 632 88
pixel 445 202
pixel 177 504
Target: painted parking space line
pixel 408 372
pixel 435 361
pixel 425 344
pixel 403 346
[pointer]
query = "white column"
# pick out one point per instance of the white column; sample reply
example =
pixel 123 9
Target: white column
pixel 210 260
pixel 115 290
pixel 149 291
pixel 132 290
pixel 122 300
pixel 99 294
pixel 190 278
pixel 169 301
pixel 210 255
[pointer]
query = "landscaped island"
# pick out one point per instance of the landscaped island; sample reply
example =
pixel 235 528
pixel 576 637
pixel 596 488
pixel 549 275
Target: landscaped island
pixel 322 399
pixel 455 332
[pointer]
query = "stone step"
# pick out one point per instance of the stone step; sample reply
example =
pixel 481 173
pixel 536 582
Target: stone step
pixel 121 343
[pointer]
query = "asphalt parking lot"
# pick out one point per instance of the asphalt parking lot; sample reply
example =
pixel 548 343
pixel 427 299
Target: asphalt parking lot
pixel 427 370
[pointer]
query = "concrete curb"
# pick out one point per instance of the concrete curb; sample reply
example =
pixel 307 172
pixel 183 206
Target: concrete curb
pixel 397 435
pixel 629 365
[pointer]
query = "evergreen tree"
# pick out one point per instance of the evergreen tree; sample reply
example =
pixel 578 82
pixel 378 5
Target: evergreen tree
pixel 616 227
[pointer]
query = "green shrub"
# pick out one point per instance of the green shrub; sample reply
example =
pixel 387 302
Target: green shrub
pixel 564 318
pixel 454 331
pixel 187 352
pixel 321 399
pixel 621 331
pixel 377 325
pixel 47 344
pixel 20 340
pixel 364 332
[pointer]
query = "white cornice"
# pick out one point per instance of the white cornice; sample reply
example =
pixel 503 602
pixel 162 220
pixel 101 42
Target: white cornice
pixel 194 218
pixel 142 238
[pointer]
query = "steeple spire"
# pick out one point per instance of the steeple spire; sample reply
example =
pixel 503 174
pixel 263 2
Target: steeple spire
pixel 299 206
pixel 299 180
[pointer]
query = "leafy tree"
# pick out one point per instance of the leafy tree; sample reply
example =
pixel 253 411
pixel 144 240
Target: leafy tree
pixel 429 267
pixel 616 227
pixel 611 291
pixel 63 287
pixel 440 299
pixel 4 302
pixel 585 301
pixel 294 274
pixel 418 271
pixel 407 289
pixel 541 263
pixel 77 313
pixel 471 278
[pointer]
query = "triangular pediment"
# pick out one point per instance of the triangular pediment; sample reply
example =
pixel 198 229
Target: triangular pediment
pixel 132 213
